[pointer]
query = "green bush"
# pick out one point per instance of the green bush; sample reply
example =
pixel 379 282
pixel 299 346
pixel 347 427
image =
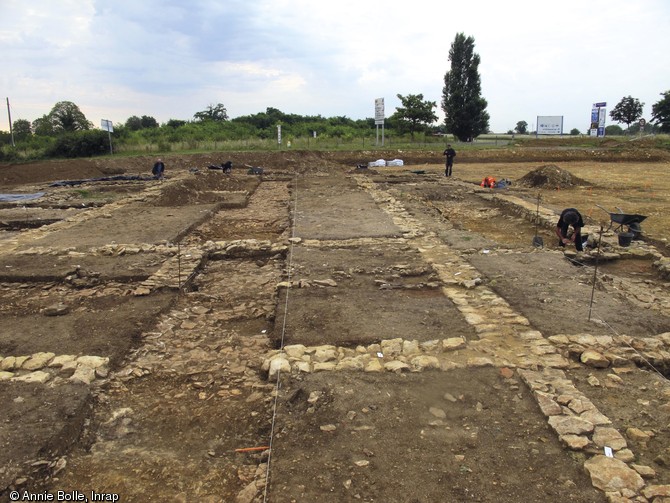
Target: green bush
pixel 80 144
pixel 8 154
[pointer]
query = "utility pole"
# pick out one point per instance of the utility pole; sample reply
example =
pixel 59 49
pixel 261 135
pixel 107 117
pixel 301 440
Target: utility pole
pixel 11 131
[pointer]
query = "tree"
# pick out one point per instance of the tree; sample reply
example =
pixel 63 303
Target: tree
pixel 148 122
pixel 661 112
pixel 22 129
pixel 80 144
pixel 521 127
pixel 647 128
pixel 613 130
pixel 175 123
pixel 65 116
pixel 464 108
pixel 415 113
pixel 574 132
pixel 216 113
pixel 42 126
pixel 134 123
pixel 627 111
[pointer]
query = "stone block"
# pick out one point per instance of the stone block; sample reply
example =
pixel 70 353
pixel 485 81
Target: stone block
pixel 611 474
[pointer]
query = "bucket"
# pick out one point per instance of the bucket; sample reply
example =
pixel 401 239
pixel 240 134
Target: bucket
pixel 625 238
pixel 635 229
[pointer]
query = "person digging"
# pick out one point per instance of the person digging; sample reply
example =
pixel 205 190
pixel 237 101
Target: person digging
pixel 570 217
pixel 158 170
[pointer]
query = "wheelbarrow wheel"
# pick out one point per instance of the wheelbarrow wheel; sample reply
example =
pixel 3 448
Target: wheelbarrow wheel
pixel 635 229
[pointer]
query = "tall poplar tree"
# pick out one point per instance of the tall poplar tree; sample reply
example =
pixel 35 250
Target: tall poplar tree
pixel 464 108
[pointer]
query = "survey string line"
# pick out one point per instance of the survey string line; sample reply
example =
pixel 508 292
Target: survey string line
pixel 289 268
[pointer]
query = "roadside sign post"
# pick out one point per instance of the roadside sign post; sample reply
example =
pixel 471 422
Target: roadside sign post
pixel 379 118
pixel 107 126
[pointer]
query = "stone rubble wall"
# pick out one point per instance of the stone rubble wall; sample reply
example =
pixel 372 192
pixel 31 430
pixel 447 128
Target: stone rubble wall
pixel 505 340
pixel 610 249
pixel 11 245
pixel 46 367
pixel 615 350
pixel 663 267
pixel 177 271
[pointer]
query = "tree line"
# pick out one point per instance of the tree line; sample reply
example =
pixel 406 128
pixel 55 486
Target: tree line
pixel 66 132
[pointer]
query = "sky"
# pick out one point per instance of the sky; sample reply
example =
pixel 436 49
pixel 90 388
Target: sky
pixel 169 59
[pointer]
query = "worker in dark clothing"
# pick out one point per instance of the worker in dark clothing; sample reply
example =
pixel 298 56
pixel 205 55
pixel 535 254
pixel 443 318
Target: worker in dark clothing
pixel 450 153
pixel 570 217
pixel 158 169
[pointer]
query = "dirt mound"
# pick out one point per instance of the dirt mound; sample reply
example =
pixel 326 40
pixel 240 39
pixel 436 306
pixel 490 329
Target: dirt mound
pixel 550 176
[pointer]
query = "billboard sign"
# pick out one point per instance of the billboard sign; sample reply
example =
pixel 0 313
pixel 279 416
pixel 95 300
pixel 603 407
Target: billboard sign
pixel 598 116
pixel 107 125
pixel 549 124
pixel 379 111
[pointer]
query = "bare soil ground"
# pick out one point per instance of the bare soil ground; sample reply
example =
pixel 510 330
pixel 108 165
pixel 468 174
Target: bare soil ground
pixel 424 350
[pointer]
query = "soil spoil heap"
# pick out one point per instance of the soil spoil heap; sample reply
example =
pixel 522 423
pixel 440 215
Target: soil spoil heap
pixel 551 176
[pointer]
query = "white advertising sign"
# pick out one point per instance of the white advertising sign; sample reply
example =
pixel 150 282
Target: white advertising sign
pixel 549 124
pixel 379 111
pixel 601 117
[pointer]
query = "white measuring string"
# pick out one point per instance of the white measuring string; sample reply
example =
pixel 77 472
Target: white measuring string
pixel 651 365
pixel 613 330
pixel 289 267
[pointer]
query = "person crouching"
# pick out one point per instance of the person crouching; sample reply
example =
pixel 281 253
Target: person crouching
pixel 570 217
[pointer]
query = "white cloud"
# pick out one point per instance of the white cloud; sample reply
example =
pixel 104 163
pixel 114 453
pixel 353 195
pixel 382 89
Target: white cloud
pixel 169 59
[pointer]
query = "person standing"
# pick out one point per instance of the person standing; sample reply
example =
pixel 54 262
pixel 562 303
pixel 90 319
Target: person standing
pixel 450 153
pixel 570 217
pixel 158 169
